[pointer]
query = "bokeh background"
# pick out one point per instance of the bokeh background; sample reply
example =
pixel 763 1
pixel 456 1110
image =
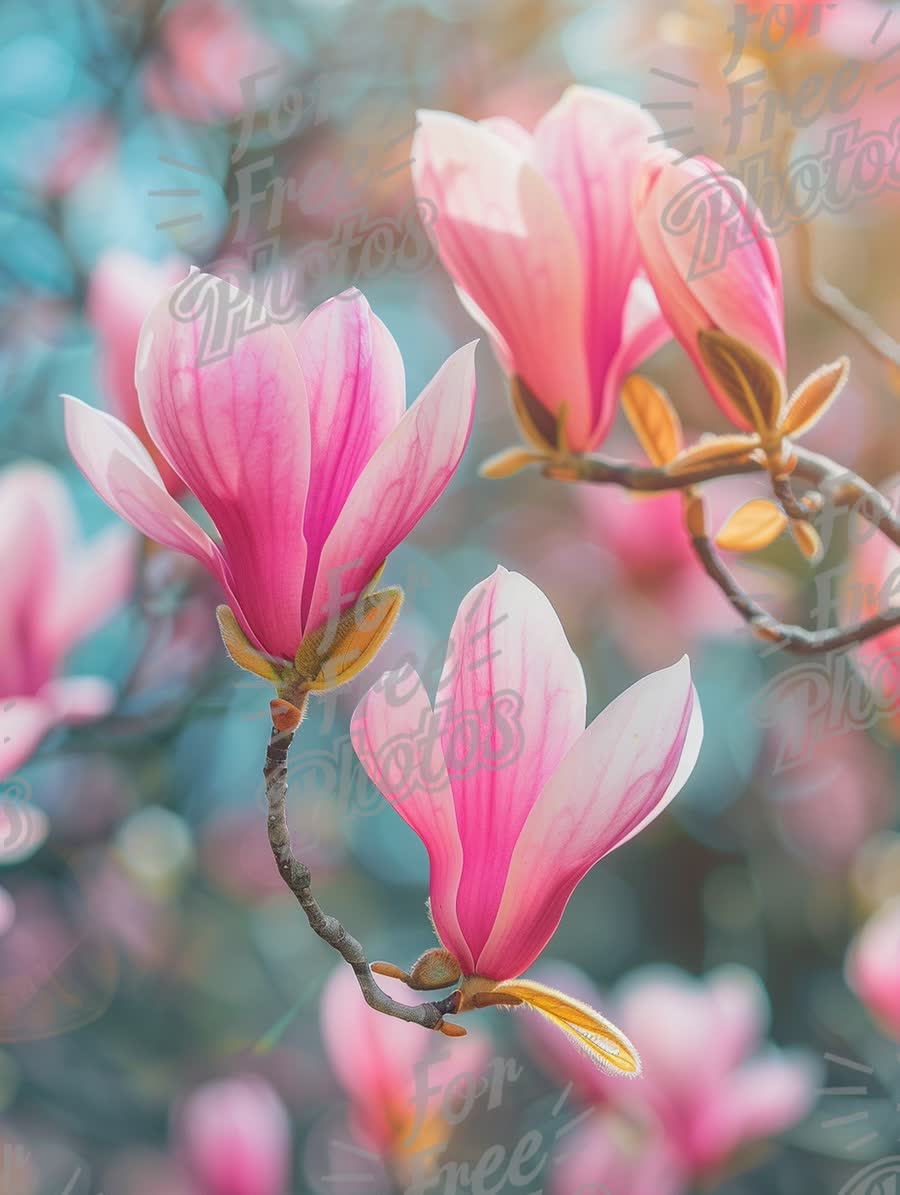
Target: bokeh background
pixel 148 951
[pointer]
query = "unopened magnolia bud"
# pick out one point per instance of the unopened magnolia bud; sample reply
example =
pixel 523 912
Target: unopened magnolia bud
pixel 436 968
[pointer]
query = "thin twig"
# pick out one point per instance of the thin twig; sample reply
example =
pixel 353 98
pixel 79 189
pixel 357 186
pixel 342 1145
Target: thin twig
pixel 297 877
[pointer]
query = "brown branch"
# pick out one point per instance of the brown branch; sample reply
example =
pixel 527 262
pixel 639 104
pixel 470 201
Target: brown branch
pixel 296 876
pixel 830 482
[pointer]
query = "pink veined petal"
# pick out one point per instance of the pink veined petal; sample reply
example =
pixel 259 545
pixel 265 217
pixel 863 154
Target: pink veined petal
pixel 236 430
pixel 397 739
pixel 511 702
pixel 120 469
pixel 402 480
pixel 617 777
pixel 504 238
pixel 356 388
pixel 23 723
pixel 645 329
pixel 590 145
pixel 96 582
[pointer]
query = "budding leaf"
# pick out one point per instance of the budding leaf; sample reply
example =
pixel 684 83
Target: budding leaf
pixel 808 541
pixel 509 462
pixel 814 396
pixel 755 388
pixel 713 451
pixel 333 655
pixel 754 525
pixel 241 650
pixel 653 419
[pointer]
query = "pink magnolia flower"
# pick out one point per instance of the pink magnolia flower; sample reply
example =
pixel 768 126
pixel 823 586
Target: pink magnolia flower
pixel 398 1080
pixel 705 1086
pixel 236 1137
pixel 210 52
pixel 299 448
pixel 536 231
pixel 513 798
pixel 124 289
pixel 711 259
pixel 55 592
pixel 873 967
pixel 607 1155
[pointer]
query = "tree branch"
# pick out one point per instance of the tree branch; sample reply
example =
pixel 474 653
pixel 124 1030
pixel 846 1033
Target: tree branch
pixel 296 876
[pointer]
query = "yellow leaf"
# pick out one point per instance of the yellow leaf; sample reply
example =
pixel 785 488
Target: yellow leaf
pixel 755 388
pixel 752 526
pixel 239 647
pixel 814 396
pixel 604 1044
pixel 713 451
pixel 509 462
pixel 653 419
pixel 333 655
pixel 808 541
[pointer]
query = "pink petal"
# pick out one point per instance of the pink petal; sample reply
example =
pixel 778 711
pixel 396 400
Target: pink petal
pixel 356 387
pixel 619 775
pixel 505 239
pixel 396 737
pixel 590 145
pixel 644 330
pixel 402 480
pixel 23 723
pixel 761 1099
pixel 236 429
pixel 741 1014
pixel 512 702
pixel 123 290
pixel 601 1158
pixel 23 827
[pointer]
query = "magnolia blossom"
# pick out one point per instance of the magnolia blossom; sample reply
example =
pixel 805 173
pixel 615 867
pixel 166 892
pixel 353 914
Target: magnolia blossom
pixel 707 1090
pixel 513 798
pixel 873 967
pixel 54 592
pixel 236 1138
pixel 399 1081
pixel 536 231
pixel 299 448
pixel 711 259
pixel 605 1154
pixel 124 289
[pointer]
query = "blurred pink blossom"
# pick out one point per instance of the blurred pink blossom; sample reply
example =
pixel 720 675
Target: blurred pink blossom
pixel 59 591
pixel 235 1137
pixel 707 1085
pixel 207 48
pixel 873 967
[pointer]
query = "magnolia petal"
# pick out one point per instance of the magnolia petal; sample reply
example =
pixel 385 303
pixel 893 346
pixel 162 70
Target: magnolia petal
pixel 752 526
pixel 356 386
pixel 402 480
pixel 397 740
pixel 605 1045
pixel 236 428
pixel 504 237
pixel 512 702
pixel 590 145
pixel 618 776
